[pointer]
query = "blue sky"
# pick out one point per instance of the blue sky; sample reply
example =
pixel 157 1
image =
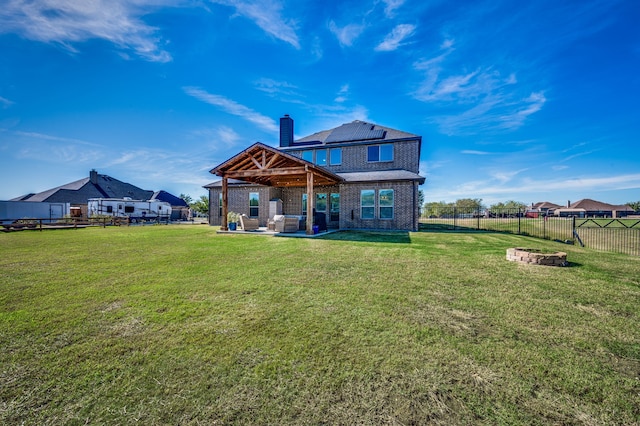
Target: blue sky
pixel 526 101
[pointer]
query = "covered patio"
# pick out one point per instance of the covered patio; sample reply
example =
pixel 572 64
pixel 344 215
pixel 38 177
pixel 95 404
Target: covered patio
pixel 263 165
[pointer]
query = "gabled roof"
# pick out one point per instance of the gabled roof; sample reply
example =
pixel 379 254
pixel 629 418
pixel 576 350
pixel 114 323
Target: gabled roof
pixel 79 191
pixel 264 165
pixel 356 131
pixel 593 205
pixel 546 205
pixel 169 198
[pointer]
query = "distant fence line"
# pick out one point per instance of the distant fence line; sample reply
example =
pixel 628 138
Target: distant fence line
pixel 606 234
pixel 71 222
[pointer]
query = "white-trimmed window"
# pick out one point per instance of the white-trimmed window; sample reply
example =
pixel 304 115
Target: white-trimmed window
pixel 308 155
pixel 379 153
pixel 385 203
pixel 367 203
pixel 335 156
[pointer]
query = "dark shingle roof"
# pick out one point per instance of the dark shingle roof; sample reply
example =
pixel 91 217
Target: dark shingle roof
pixel 78 192
pixel 355 131
pixel 169 198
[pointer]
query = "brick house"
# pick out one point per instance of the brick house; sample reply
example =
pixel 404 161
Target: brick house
pixel 357 176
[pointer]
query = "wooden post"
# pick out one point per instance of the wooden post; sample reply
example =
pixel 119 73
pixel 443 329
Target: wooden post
pixel 310 203
pixel 225 198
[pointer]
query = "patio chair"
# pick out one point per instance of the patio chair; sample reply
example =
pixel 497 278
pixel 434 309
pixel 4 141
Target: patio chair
pixel 248 223
pixel 285 223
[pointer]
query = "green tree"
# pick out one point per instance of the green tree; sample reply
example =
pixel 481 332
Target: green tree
pixel 436 208
pixel 420 201
pixel 187 198
pixel 201 205
pixel 469 203
pixel 635 205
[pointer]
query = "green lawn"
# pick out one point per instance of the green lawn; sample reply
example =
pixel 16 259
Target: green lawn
pixel 179 325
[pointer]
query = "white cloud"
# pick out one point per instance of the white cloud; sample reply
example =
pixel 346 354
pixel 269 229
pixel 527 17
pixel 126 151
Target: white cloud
pixel 391 6
pixel 266 14
pixel 6 103
pixel 233 108
pixel 218 138
pixel 68 22
pixel 273 87
pixel 394 39
pixel 342 94
pixel 348 34
pixel 472 152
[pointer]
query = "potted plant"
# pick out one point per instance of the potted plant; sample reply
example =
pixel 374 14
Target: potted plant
pixel 232 220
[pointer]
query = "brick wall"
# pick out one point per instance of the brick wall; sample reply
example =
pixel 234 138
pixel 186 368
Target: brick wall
pixel 354 157
pixel 405 211
pixel 239 201
pixel 405 214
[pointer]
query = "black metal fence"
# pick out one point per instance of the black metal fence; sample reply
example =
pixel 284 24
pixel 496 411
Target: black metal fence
pixel 617 235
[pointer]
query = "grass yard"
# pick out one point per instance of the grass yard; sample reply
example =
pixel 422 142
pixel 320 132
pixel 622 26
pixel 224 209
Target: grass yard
pixel 179 325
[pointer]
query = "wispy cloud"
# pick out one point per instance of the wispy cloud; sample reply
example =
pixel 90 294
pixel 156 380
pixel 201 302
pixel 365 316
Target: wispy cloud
pixel 515 189
pixel 51 148
pixel 6 103
pixel 45 137
pixel 482 99
pixel 233 108
pixel 68 22
pixel 266 14
pixel 391 6
pixel 395 38
pixel 218 138
pixel 342 94
pixel 472 152
pixel 348 34
pixel 274 87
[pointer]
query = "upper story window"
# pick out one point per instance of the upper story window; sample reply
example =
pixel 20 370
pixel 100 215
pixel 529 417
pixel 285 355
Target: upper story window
pixel 321 157
pixel 377 153
pixel 335 156
pixel 317 156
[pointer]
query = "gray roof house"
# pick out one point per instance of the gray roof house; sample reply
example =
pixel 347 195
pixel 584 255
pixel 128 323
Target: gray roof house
pixel 97 185
pixel 356 176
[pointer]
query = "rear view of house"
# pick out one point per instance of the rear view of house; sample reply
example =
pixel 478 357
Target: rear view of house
pixel 356 176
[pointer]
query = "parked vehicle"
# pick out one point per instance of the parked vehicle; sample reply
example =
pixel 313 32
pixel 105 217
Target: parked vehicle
pixel 135 210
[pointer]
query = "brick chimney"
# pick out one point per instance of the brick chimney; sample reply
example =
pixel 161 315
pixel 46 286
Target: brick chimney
pixel 286 131
pixel 93 176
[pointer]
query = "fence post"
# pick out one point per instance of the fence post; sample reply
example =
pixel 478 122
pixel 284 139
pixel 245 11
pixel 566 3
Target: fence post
pixel 455 214
pixel 519 220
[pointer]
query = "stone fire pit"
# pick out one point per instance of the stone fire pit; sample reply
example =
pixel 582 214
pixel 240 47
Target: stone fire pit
pixel 537 257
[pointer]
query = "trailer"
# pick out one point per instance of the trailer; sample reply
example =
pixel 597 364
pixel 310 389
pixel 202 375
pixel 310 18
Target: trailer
pixel 11 211
pixel 135 210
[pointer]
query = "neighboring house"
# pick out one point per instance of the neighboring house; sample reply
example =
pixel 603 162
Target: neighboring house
pixel 96 185
pixel 592 208
pixel 355 176
pixel 179 207
pixel 544 208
